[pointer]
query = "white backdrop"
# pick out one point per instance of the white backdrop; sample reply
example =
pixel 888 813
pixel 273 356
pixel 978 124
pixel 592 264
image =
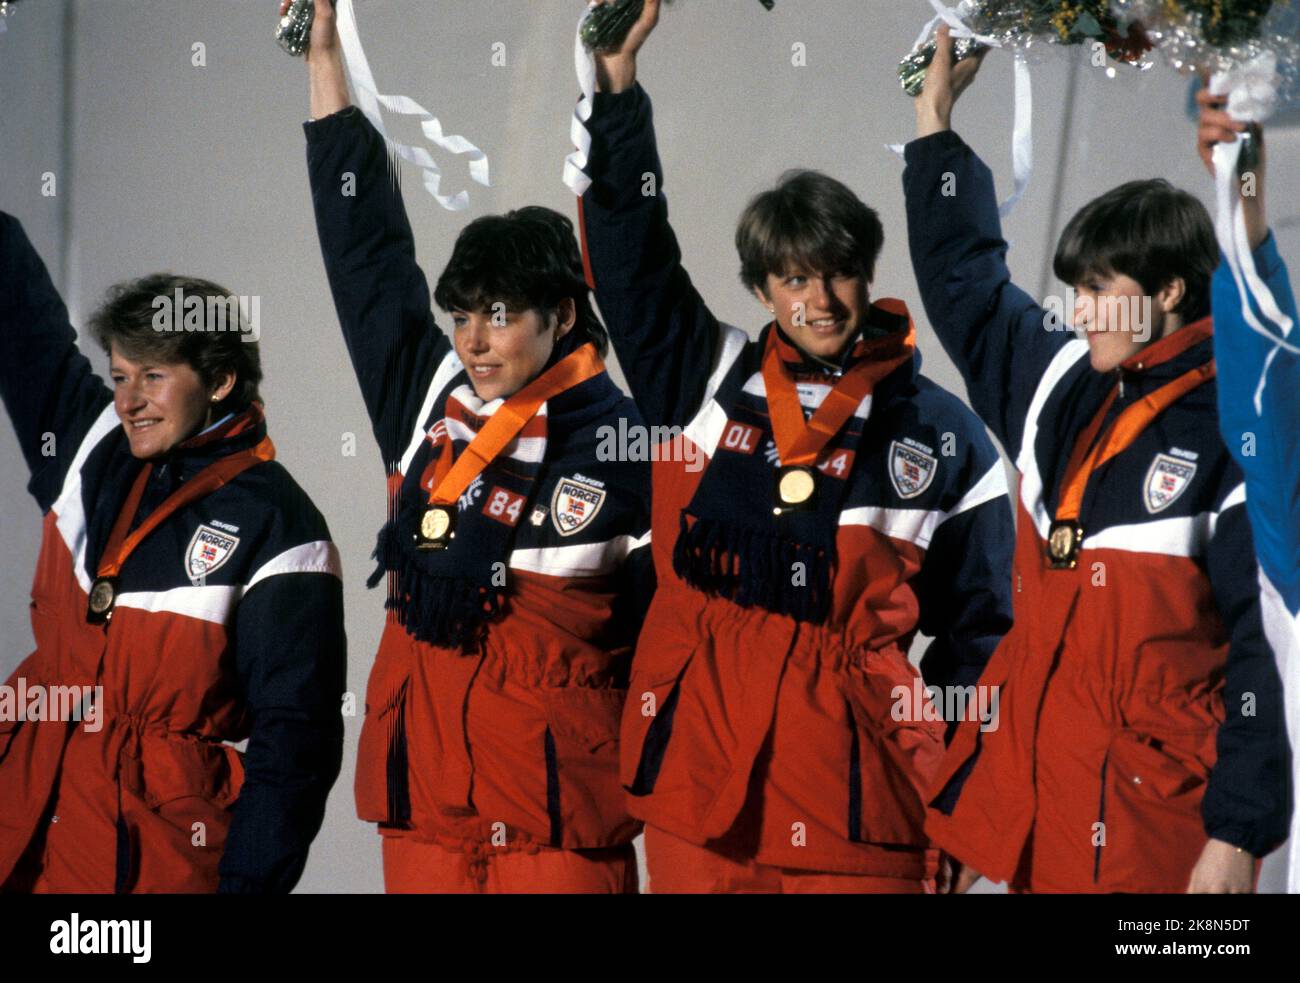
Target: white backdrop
pixel 164 164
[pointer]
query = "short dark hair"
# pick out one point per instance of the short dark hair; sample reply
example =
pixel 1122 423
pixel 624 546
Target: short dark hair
pixel 809 220
pixel 127 319
pixel 1147 230
pixel 527 259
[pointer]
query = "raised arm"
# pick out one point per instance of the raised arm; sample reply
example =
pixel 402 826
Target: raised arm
pixel 665 336
pixel 380 293
pixel 1266 442
pixel 1001 340
pixel 49 389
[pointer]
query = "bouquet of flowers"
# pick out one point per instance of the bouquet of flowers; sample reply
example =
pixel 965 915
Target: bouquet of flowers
pixel 1253 43
pixel 608 24
pixel 1214 35
pixel 1003 24
pixel 1219 35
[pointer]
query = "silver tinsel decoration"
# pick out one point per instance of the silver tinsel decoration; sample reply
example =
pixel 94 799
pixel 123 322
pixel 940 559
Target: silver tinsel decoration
pixel 294 30
pixel 1173 29
pixel 1178 37
pixel 1006 25
pixel 912 69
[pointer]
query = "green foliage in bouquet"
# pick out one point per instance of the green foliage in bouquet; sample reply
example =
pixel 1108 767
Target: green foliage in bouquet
pixel 1226 22
pixel 1019 23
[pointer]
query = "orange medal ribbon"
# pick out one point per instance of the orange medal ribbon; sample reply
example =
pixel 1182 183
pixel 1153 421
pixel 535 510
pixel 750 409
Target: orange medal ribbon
pixel 449 480
pixel 103 593
pixel 801 442
pixel 1091 453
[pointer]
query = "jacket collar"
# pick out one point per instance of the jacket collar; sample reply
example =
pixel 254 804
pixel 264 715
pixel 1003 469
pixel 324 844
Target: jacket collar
pixel 240 432
pixel 1175 353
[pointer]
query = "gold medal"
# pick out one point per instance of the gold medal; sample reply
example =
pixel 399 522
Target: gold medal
pixel 102 595
pixel 435 529
pixel 795 487
pixel 1063 545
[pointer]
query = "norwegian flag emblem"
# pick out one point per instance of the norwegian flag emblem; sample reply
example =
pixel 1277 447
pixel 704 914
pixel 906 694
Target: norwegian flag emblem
pixel 208 550
pixel 574 504
pixel 910 470
pixel 1167 478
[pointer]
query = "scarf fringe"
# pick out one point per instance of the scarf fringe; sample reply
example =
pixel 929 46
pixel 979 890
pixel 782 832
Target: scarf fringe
pixel 754 568
pixel 450 612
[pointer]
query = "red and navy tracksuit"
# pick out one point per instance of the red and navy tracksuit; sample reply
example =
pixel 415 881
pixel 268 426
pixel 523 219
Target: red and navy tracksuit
pixel 492 765
pixel 760 742
pixel 150 794
pixel 1140 709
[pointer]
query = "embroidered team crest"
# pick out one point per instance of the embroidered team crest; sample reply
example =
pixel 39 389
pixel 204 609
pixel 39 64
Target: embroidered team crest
pixel 574 504
pixel 910 470
pixel 208 550
pixel 1167 478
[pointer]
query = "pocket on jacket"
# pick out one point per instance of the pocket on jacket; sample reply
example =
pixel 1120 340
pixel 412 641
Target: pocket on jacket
pixel 1150 814
pixel 891 761
pixel 188 789
pixel 648 720
pixel 174 768
pixel 585 802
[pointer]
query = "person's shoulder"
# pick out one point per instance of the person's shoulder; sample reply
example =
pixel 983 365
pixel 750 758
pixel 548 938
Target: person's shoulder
pixel 292 515
pixel 941 404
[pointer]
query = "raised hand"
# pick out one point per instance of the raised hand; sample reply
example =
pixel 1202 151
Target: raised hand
pixel 945 81
pixel 329 86
pixel 1217 126
pixel 616 69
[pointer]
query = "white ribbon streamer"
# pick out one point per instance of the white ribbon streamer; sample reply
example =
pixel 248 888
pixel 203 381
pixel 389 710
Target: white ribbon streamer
pixel 1252 97
pixel 370 100
pixel 1022 135
pixel 575 164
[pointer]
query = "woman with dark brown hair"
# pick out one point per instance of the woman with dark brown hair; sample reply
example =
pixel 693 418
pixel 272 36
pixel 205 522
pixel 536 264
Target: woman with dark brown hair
pixel 516 554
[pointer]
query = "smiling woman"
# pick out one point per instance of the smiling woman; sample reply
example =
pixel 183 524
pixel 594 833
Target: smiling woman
pixel 514 288
pixel 174 533
pixel 489 752
pixel 169 385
